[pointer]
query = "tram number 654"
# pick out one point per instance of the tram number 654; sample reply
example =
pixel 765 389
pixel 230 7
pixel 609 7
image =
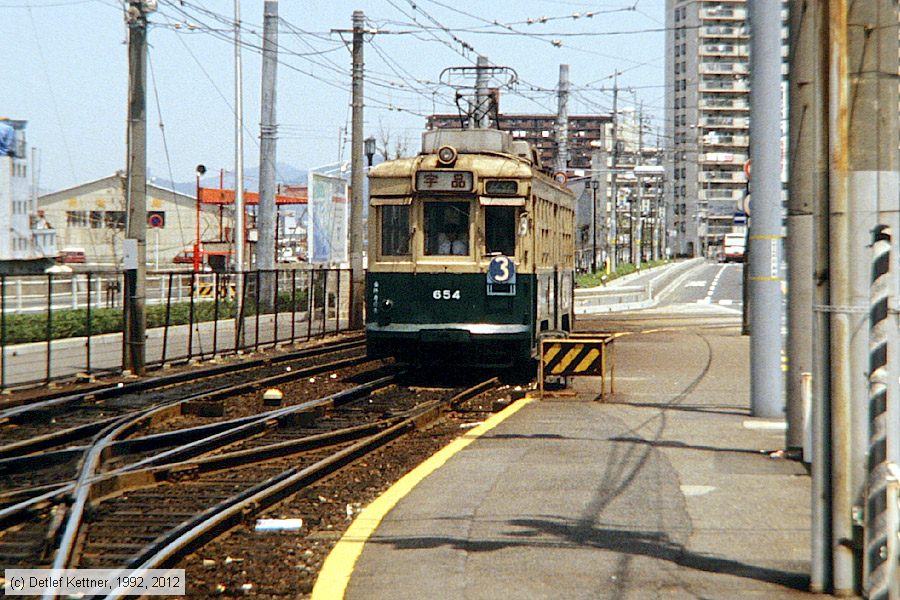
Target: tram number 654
pixel 445 294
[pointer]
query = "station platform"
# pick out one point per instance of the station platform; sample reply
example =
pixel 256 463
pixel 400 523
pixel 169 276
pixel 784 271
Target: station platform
pixel 669 489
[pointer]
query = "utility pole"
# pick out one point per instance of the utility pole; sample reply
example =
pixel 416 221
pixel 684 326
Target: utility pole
pixel 265 219
pixel 843 568
pixel 239 233
pixel 799 243
pixel 765 186
pixel 482 97
pixel 562 121
pixel 809 146
pixel 358 276
pixel 614 226
pixel 639 242
pixel 135 247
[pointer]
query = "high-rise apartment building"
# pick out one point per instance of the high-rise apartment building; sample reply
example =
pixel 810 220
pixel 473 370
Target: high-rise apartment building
pixel 707 119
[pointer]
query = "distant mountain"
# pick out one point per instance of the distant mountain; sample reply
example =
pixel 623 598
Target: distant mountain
pixel 284 173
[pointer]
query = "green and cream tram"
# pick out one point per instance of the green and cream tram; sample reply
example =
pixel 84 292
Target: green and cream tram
pixel 471 252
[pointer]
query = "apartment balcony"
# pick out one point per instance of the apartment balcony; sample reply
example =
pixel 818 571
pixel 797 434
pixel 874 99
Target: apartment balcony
pixel 723 13
pixel 719 195
pixel 724 122
pixel 722 177
pixel 724 103
pixel 724 51
pixel 724 86
pixel 728 143
pixel 724 68
pixel 734 32
pixel 724 158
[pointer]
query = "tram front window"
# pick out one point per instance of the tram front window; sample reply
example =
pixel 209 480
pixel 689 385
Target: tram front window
pixel 500 230
pixel 394 230
pixel 447 228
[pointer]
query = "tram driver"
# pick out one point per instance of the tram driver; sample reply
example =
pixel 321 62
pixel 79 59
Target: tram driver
pixel 451 244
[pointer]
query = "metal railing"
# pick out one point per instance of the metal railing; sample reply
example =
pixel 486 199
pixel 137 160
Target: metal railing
pixel 58 326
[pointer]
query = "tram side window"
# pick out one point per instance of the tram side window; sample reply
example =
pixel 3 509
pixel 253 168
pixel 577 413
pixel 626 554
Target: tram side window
pixel 447 228
pixel 395 230
pixel 500 230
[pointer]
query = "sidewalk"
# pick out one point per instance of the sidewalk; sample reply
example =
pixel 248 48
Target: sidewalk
pixel 668 491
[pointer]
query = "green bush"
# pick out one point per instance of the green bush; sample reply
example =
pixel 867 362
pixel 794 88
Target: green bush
pixel 586 280
pixel 32 327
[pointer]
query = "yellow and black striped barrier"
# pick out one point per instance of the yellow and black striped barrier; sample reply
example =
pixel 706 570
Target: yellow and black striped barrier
pixel 208 290
pixel 576 357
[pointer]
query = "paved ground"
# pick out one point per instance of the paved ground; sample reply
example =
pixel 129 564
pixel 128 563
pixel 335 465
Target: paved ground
pixel 27 363
pixel 668 491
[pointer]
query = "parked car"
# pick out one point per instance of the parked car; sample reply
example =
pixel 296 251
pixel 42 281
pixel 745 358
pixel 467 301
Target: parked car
pixel 185 257
pixel 73 255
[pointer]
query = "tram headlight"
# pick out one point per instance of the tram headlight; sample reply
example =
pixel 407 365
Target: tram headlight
pixel 384 312
pixel 446 155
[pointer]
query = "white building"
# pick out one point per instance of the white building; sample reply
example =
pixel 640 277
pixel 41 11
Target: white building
pixel 91 216
pixel 27 243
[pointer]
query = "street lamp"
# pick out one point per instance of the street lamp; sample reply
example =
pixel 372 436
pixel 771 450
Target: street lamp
pixel 200 170
pixel 369 148
pixel 594 185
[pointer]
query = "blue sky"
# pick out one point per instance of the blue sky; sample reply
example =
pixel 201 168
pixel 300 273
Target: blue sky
pixel 65 72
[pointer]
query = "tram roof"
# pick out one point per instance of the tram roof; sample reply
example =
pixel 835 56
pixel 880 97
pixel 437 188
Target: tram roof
pixel 483 165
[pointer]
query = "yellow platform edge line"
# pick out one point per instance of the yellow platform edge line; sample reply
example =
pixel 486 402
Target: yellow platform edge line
pixel 334 576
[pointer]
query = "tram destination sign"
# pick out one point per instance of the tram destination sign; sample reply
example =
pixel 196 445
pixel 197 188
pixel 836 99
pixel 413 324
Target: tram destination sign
pixel 444 181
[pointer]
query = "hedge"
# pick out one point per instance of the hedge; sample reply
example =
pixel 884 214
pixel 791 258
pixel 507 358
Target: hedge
pixel 32 327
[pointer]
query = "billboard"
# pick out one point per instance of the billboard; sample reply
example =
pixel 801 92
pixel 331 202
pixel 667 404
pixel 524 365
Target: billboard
pixel 329 215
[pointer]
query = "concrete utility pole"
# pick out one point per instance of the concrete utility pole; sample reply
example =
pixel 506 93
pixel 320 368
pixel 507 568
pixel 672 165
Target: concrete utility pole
pixel 598 199
pixel 265 218
pixel 765 187
pixel 614 225
pixel 799 243
pixel 482 97
pixel 874 169
pixel 135 254
pixel 562 121
pixel 809 186
pixel 238 235
pixel 358 275
pixel 843 568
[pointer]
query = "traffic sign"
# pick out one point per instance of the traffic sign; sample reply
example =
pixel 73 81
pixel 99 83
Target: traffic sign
pixel 156 220
pixel 747 167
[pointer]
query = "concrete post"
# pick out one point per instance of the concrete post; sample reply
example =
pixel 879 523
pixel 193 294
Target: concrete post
pixel 765 232
pixel 136 199
pixel 265 219
pixel 357 172
pixel 562 121
pixel 799 243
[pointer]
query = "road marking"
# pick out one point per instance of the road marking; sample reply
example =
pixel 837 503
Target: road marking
pixel 712 286
pixel 726 302
pixel 696 490
pixel 697 283
pixel 766 425
pixel 334 576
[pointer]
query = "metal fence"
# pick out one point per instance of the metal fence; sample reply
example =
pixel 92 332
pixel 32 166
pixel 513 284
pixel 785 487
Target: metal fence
pixel 57 326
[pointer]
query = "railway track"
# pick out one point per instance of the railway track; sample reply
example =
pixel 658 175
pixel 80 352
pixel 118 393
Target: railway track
pixel 46 424
pixel 191 492
pixel 32 477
